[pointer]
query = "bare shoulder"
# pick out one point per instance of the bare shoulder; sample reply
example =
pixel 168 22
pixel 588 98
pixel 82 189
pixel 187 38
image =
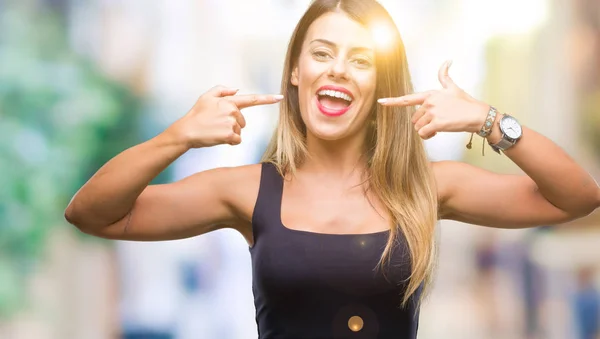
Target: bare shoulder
pixel 452 177
pixel 240 185
pixel 445 173
pixel 237 186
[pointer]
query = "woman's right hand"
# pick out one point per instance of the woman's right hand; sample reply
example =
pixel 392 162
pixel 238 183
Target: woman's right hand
pixel 216 118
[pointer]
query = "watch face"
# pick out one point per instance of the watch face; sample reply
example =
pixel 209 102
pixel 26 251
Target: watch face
pixel 510 127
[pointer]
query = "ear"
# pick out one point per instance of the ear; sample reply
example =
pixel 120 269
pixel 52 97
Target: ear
pixel 294 79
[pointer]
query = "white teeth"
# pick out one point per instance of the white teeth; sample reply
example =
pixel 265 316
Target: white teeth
pixel 335 94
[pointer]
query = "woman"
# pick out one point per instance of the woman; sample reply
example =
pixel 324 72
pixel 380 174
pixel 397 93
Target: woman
pixel 340 216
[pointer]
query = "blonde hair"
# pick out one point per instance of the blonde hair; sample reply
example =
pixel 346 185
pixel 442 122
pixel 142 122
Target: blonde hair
pixel 398 169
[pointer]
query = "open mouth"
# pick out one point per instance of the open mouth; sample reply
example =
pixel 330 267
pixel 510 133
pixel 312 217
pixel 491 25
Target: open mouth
pixel 333 102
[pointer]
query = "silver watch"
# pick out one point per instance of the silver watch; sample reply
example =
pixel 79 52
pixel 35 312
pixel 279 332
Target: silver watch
pixel 511 133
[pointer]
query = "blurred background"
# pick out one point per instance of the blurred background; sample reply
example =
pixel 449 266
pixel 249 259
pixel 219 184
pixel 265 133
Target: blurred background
pixel 81 81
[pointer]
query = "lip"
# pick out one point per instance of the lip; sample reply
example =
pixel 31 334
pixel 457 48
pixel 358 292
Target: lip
pixel 329 111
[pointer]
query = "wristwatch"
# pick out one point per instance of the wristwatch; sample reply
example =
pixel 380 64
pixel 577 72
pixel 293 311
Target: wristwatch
pixel 511 133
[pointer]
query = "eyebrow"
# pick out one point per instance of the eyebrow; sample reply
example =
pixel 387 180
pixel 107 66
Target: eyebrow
pixel 332 44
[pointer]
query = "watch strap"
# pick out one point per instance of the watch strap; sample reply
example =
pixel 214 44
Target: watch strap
pixel 502 145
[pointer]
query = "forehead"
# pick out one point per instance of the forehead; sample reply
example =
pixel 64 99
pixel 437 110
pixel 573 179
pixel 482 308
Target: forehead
pixel 340 29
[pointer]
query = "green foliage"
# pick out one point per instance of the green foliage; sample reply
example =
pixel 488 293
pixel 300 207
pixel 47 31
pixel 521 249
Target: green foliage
pixel 60 120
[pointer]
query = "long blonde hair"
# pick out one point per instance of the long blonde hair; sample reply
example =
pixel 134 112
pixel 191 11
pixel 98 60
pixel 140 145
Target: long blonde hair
pixel 399 173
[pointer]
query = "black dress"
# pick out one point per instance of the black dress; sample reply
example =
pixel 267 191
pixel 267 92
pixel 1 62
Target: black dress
pixel 324 286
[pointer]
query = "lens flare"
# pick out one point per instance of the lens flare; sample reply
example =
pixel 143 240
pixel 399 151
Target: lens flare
pixel 382 34
pixel 355 323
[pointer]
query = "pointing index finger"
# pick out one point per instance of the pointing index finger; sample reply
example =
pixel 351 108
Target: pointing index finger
pixel 248 100
pixel 405 100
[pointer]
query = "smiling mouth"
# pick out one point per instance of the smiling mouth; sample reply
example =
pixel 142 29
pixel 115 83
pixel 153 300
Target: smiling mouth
pixel 332 102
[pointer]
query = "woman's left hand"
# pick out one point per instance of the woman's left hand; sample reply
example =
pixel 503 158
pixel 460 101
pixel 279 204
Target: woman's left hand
pixel 449 109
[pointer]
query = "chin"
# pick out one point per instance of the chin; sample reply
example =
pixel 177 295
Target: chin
pixel 330 130
pixel 328 133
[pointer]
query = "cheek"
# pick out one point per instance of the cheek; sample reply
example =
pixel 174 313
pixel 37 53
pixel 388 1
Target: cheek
pixel 365 80
pixel 307 77
pixel 368 87
pixel 310 69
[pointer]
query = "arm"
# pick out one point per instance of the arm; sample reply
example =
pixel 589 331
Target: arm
pixel 117 202
pixel 111 193
pixel 198 204
pixel 554 190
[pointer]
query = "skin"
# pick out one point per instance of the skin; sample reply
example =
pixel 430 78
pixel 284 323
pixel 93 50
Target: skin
pixel 336 51
pixel 554 190
pixel 118 203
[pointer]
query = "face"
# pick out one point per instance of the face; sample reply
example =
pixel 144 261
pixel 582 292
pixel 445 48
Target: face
pixel 335 76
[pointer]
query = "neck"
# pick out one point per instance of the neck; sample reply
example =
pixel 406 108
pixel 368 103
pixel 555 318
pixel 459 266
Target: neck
pixel 341 158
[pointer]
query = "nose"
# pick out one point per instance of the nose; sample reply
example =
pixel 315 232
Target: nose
pixel 338 69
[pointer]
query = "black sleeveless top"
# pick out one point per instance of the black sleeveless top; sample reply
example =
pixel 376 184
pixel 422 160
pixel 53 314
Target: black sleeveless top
pixel 324 286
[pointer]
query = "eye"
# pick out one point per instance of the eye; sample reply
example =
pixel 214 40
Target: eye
pixel 321 55
pixel 362 62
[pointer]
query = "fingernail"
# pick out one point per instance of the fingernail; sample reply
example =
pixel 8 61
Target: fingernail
pixel 382 101
pixel 278 96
